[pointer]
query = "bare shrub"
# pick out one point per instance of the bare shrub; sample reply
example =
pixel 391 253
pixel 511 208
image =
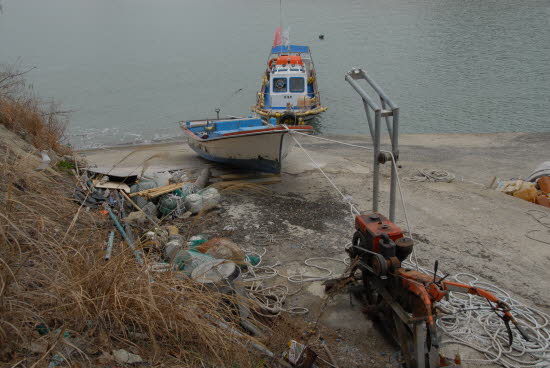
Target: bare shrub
pixel 41 123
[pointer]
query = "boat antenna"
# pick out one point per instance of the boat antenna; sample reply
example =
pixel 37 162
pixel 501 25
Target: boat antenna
pixel 281 16
pixel 218 109
pixel 281 27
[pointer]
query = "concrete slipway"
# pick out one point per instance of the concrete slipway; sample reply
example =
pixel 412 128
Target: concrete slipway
pixel 464 225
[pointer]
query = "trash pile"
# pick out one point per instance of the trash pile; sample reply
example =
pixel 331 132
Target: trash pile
pixel 148 199
pixel 535 189
pixel 144 214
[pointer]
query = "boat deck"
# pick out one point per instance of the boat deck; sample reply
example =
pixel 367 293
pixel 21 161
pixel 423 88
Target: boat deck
pixel 216 129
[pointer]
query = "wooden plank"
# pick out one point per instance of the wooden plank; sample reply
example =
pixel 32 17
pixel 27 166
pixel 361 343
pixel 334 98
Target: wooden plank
pixel 154 192
pixel 111 185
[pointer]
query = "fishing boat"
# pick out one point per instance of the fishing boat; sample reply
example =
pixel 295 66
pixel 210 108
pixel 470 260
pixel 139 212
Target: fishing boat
pixel 250 143
pixel 289 89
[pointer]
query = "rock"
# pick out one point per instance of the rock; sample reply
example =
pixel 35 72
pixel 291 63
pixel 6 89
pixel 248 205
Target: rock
pixel 123 357
pixel 136 217
pixel 172 230
pixel 39 347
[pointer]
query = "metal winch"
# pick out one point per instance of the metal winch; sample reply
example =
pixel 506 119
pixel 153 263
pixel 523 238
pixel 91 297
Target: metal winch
pixel 405 300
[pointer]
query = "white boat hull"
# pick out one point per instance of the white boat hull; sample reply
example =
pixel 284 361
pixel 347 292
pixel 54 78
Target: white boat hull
pixel 263 151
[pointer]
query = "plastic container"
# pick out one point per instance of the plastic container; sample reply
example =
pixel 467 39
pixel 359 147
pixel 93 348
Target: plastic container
pixel 544 184
pixel 253 259
pixel 527 193
pixel 206 200
pixel 188 260
pixel 542 200
pixel 195 241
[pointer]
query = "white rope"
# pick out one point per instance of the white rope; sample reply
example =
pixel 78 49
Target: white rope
pixel 432 175
pixel 474 324
pixel 270 299
pixel 264 238
pixel 344 197
pixel 309 278
pixel 409 230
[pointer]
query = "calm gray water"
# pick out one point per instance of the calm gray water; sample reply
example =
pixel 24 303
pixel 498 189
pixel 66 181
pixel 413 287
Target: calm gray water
pixel 129 69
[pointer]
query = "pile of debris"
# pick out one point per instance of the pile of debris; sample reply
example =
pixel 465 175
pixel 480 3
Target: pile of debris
pixel 163 195
pixel 153 216
pixel 535 189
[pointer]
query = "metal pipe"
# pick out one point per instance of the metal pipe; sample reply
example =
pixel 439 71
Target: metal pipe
pixel 419 338
pixel 377 88
pixel 362 93
pixel 388 124
pixel 376 169
pixel 109 250
pixel 369 120
pixel 129 240
pixel 392 125
pixel 395 151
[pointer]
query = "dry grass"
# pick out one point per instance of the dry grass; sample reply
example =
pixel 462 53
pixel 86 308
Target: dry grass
pixel 52 271
pixel 41 123
pixel 57 277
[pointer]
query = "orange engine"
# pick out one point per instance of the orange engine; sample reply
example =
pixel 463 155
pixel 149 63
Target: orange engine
pixel 373 226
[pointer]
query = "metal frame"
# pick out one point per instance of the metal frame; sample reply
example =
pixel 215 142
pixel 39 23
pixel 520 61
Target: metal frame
pixel 390 112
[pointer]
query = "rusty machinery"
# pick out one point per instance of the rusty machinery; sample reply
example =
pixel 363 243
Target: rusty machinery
pixel 404 300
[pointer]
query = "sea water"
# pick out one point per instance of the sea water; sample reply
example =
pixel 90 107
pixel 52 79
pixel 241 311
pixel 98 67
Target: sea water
pixel 129 70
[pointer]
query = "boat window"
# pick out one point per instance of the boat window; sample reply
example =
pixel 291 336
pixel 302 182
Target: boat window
pixel 297 84
pixel 279 85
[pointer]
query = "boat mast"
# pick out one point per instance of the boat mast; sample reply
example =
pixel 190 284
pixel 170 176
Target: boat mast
pixel 283 32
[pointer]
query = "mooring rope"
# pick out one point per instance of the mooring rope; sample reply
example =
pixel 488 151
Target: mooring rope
pixel 271 299
pixel 345 198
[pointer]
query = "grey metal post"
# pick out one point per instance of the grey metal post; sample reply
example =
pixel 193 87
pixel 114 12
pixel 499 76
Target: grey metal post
pixel 369 119
pixel 388 124
pixel 391 116
pixel 376 169
pixel 419 341
pixel 395 151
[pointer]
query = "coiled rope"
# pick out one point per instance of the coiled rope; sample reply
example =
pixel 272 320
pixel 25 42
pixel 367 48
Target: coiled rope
pixel 271 299
pixel 436 176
